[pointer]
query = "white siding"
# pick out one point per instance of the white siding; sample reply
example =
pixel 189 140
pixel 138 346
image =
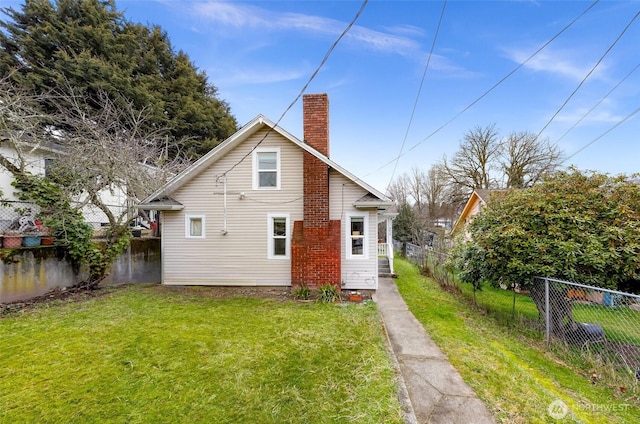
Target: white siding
pixel 34 164
pixel 356 273
pixel 238 257
pixel 115 198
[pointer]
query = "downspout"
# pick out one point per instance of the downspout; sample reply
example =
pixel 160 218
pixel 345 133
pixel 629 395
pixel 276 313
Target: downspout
pixel 224 205
pixel 343 224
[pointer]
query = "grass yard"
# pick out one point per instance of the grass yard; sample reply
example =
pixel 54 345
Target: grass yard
pixel 514 375
pixel 146 354
pixel 621 324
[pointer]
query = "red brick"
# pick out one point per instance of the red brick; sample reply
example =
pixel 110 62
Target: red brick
pixel 316 242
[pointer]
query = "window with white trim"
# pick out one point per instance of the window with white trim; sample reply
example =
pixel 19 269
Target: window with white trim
pixel 357 239
pixel 194 226
pixel 266 169
pixel 279 236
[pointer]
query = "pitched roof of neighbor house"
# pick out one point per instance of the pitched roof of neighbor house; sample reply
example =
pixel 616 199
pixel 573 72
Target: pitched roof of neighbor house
pixel 483 194
pixel 478 196
pixel 161 198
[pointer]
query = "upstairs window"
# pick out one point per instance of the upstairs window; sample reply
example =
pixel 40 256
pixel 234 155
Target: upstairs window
pixel 49 165
pixel 266 165
pixel 54 171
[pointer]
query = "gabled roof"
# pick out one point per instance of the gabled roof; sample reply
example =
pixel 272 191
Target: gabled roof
pixel 370 200
pixel 483 194
pixel 48 146
pixel 381 201
pixel 479 195
pixel 165 204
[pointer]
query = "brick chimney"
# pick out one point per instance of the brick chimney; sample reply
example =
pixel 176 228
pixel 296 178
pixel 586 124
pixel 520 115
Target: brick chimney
pixel 315 112
pixel 316 247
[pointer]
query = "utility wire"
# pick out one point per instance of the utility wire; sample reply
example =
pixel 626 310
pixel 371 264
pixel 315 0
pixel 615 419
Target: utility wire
pixel 490 89
pixel 629 116
pixel 415 104
pixel 598 103
pixel 324 60
pixel 588 74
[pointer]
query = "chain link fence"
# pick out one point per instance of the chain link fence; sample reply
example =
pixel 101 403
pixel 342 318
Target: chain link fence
pixel 430 261
pixel 602 324
pixel 595 329
pixel 24 217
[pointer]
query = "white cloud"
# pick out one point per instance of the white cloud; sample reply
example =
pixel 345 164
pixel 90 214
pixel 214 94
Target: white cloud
pixel 409 30
pixel 559 62
pixel 244 17
pixel 602 116
pixel 251 75
pixel 382 42
pixel 229 14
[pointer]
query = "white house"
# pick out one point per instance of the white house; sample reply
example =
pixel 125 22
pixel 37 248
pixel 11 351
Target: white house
pixel 265 208
pixel 37 160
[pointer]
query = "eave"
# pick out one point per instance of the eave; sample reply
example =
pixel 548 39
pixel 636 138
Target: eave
pixel 380 205
pixel 165 204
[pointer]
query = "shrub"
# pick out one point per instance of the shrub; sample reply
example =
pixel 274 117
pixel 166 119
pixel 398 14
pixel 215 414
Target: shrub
pixel 302 292
pixel 328 293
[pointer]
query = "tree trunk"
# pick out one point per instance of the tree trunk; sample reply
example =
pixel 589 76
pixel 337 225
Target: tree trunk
pixel 560 309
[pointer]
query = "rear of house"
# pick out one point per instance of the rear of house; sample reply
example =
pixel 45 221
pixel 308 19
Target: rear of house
pixel 266 209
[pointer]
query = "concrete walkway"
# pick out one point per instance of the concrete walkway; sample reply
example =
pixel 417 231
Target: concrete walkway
pixel 432 391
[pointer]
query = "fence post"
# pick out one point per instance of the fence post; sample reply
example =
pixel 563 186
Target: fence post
pixel 546 312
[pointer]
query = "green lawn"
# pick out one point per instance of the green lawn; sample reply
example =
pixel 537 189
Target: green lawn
pixel 620 324
pixel 144 354
pixel 515 375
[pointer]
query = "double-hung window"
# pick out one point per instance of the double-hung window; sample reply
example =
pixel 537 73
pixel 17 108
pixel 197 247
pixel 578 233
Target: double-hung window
pixel 278 236
pixel 194 226
pixel 266 169
pixel 357 240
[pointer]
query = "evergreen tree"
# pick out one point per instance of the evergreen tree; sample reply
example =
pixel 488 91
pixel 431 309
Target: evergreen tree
pixel 90 46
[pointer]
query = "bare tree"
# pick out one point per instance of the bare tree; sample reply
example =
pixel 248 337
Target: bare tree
pixel 471 165
pixel 112 151
pixel 525 159
pixel 416 189
pixel 434 187
pixel 399 189
pixel 22 126
pixel 99 153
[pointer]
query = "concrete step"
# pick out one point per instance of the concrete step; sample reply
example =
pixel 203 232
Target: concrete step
pixel 383 267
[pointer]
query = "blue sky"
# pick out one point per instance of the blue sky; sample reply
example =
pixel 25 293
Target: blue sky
pixel 261 53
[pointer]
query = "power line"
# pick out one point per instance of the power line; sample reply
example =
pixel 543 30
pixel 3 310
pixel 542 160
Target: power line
pixel 415 104
pixel 629 116
pixel 324 60
pixel 490 89
pixel 589 74
pixel 598 103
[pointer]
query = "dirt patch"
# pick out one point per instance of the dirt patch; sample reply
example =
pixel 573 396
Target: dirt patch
pixel 56 296
pixel 227 292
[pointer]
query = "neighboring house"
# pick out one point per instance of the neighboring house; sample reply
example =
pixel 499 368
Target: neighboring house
pixel 38 160
pixel 476 203
pixel 267 209
pixel 35 157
